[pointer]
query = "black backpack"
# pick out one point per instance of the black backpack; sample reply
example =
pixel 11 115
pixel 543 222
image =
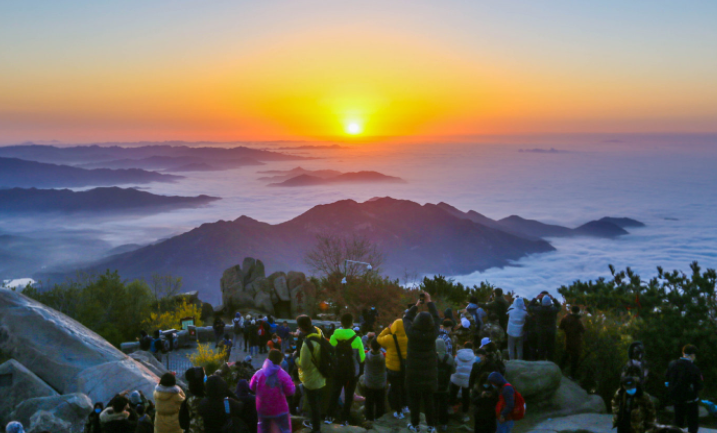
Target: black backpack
pixel 444 373
pixel 345 356
pixel 327 363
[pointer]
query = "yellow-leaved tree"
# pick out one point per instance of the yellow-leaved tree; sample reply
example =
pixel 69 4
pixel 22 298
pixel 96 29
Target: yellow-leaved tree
pixel 208 358
pixel 172 318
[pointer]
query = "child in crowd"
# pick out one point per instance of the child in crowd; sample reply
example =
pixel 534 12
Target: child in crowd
pixel 375 381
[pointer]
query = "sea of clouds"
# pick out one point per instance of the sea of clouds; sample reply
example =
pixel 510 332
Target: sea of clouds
pixel 670 184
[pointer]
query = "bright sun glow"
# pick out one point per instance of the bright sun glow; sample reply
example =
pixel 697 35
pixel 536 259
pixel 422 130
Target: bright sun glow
pixel 353 128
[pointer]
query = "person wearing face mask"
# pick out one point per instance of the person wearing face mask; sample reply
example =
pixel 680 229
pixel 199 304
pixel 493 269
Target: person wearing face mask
pixel 274 343
pixel 93 421
pixel 632 409
pixel 484 399
pixel 684 382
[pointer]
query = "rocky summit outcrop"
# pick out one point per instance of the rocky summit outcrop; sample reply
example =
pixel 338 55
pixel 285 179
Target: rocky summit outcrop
pixel 62 413
pixel 246 287
pixel 18 384
pixel 66 356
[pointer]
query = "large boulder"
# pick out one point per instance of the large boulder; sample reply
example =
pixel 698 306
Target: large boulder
pixel 18 384
pixel 262 301
pixel 294 279
pixel 102 382
pixel 72 409
pixel 535 380
pixel 571 399
pixel 281 289
pixel 149 362
pixel 60 351
pixel 593 423
pixel 44 421
pixel 252 269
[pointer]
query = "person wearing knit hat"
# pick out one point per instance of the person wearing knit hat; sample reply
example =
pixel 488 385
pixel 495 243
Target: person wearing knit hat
pixel 632 409
pixel 14 427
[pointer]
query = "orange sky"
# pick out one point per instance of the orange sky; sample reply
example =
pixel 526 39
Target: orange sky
pixel 270 72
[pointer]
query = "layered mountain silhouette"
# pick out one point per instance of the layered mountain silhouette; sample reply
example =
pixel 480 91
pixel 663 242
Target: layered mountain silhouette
pixel 302 177
pixel 415 238
pixel 607 227
pixel 108 152
pixel 21 173
pixel 175 163
pixel 97 200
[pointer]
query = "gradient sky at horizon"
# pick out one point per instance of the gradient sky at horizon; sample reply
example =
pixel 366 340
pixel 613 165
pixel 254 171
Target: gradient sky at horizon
pixel 237 70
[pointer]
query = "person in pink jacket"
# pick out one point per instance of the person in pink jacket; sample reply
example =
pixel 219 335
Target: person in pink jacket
pixel 272 385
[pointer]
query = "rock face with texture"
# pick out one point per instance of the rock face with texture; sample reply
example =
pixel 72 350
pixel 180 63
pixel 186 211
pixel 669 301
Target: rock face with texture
pixel 63 353
pixel 18 384
pixel 72 409
pixel 570 398
pixel 245 287
pixel 535 380
pixel 44 421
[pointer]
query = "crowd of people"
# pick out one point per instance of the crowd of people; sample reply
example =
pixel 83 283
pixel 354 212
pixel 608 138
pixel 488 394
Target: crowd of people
pixel 420 363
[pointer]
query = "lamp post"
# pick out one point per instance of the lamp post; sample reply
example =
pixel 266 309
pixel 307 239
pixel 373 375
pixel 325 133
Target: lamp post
pixel 353 262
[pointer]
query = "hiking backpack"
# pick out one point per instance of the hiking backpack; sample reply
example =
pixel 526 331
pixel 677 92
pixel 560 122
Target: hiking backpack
pixel 444 373
pixel 519 406
pixel 237 326
pixel 345 356
pixel 327 363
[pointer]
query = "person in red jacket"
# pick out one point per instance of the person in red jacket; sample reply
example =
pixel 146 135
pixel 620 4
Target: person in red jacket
pixel 274 343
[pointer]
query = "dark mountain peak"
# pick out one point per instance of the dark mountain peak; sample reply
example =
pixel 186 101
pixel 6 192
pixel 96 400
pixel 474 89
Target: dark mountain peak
pixel 601 229
pixel 623 222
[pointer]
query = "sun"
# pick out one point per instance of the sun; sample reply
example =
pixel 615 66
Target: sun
pixel 353 128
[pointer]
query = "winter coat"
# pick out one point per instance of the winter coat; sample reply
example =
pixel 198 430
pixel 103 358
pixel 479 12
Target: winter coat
pixel 638 408
pixel 517 314
pixel 211 408
pixel 421 360
pixel 464 364
pixel 308 371
pixel 574 330
pixel 283 331
pixel 684 381
pixel 272 386
pixel 546 317
pixel 112 422
pixel 506 395
pixel 168 400
pixel 374 374
pixel 385 339
pixel 248 400
pixel 484 401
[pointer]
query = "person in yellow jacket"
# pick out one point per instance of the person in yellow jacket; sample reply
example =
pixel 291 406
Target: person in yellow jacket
pixel 311 379
pixel 168 398
pixel 394 340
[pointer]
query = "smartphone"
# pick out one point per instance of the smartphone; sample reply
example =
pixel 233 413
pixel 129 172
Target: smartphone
pixel 422 298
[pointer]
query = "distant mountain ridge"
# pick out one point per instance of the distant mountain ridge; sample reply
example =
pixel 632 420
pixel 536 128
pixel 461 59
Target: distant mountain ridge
pixel 112 199
pixel 96 153
pixel 175 163
pixel 22 173
pixel 358 177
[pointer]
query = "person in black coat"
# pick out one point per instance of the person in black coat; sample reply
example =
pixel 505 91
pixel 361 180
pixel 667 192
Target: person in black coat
pixel 684 382
pixel 545 309
pixel 498 306
pixel 421 362
pixel 118 417
pixel 484 399
pixel 212 407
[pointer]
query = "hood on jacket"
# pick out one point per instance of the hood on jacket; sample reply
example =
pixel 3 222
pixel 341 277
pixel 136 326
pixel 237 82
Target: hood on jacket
pixel 269 367
pixel 547 301
pixel 109 415
pixel 166 392
pixel 397 327
pixel 465 355
pixel 448 314
pixel 195 379
pixel 636 350
pixel 424 321
pixel 518 304
pixel 440 347
pixel 497 379
pixel 216 387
